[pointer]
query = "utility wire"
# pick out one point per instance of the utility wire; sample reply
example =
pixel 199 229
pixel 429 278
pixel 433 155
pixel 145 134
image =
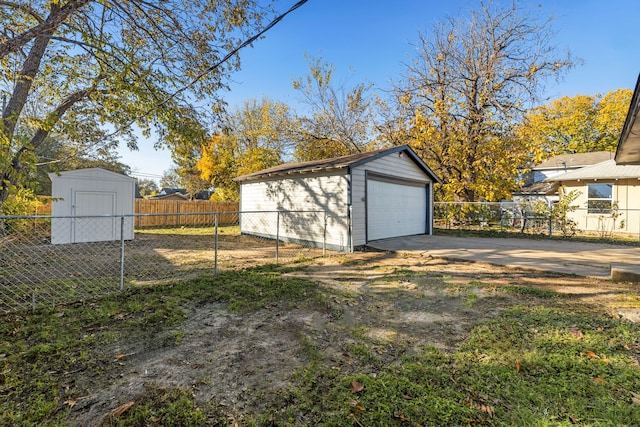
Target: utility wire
pixel 211 68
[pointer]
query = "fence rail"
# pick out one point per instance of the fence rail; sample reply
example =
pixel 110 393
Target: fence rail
pixel 538 218
pixel 48 260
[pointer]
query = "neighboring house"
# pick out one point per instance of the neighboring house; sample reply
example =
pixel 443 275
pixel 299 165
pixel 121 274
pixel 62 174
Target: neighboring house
pixel 172 194
pixel 628 152
pixel 366 196
pixel 536 188
pixel 85 205
pixel 181 194
pixel 609 196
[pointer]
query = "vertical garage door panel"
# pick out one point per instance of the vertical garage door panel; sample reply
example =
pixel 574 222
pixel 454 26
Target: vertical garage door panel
pixel 395 209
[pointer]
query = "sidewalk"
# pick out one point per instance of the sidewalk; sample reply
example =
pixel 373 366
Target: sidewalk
pixel 599 260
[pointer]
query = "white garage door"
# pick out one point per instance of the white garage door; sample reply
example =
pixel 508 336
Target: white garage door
pixel 395 209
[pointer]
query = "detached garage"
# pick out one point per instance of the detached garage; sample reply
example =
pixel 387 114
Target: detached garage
pixel 86 203
pixel 361 197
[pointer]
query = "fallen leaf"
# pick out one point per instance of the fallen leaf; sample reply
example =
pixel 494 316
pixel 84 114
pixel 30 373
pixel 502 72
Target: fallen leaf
pixel 577 333
pixel 70 402
pixel 599 381
pixel 592 355
pixel 518 365
pixel 573 419
pixel 356 387
pixel 359 408
pixel 635 398
pixel 119 356
pixel 486 409
pixel 122 409
pixel 154 419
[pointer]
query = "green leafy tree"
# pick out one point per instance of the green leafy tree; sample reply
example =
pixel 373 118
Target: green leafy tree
pixel 55 155
pixel 147 187
pixel 339 119
pixel 85 71
pixel 578 124
pixel 467 88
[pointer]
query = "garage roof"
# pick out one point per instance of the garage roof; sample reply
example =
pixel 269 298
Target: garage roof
pixel 336 163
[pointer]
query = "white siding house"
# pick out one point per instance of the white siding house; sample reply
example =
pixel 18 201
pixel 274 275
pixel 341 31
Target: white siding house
pixel 362 197
pixel 86 203
pixel 608 197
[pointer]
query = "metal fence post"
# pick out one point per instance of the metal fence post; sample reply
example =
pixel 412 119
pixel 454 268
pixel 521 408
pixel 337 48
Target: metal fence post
pixel 324 236
pixel 550 205
pixel 215 251
pixel 121 253
pixel 277 234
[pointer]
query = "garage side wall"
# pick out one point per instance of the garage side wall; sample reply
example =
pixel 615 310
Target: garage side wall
pixel 296 198
pixel 392 165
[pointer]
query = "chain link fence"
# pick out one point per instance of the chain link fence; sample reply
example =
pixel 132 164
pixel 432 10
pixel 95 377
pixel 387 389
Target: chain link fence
pixel 540 218
pixel 47 260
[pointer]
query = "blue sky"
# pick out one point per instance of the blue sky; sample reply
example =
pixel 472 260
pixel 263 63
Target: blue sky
pixel 369 40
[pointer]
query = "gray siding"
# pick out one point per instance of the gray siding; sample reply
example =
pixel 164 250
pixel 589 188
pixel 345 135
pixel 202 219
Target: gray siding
pixel 319 192
pixel 392 165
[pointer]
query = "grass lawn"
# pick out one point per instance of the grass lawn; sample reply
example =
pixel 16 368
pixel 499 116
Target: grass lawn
pixel 350 342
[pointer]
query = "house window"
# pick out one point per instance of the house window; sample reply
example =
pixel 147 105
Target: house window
pixel 599 198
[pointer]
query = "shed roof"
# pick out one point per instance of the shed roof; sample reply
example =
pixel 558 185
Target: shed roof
pixel 82 174
pixel 337 163
pixel 603 170
pixel 574 160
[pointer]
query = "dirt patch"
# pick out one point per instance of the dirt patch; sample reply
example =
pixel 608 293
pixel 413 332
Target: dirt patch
pixel 397 304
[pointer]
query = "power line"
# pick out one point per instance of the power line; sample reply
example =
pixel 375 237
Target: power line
pixel 211 68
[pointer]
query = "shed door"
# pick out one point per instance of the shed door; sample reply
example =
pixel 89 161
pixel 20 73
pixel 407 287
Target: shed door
pixel 395 208
pixel 95 229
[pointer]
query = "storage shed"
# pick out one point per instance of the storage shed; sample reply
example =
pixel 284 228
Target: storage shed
pixel 86 205
pixel 361 197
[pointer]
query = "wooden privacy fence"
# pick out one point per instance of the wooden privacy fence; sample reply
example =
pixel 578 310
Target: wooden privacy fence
pixel 167 212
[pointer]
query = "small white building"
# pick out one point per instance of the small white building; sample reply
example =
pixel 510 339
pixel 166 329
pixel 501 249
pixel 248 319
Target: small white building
pixel 86 204
pixel 362 197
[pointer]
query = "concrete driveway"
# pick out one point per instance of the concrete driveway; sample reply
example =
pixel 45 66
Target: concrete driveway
pixel 569 257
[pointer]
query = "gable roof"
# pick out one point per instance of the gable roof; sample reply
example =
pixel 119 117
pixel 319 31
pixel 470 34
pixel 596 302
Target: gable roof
pixel 574 160
pixel 83 173
pixel 603 170
pixel 166 191
pixel 336 163
pixel 628 152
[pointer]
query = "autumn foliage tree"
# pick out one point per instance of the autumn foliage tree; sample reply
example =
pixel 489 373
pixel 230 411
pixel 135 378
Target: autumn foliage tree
pixel 578 124
pixel 254 137
pixel 467 88
pixel 84 71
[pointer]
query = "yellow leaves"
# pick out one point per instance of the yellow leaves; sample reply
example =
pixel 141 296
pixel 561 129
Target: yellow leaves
pixel 591 354
pixel 581 123
pixel 518 365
